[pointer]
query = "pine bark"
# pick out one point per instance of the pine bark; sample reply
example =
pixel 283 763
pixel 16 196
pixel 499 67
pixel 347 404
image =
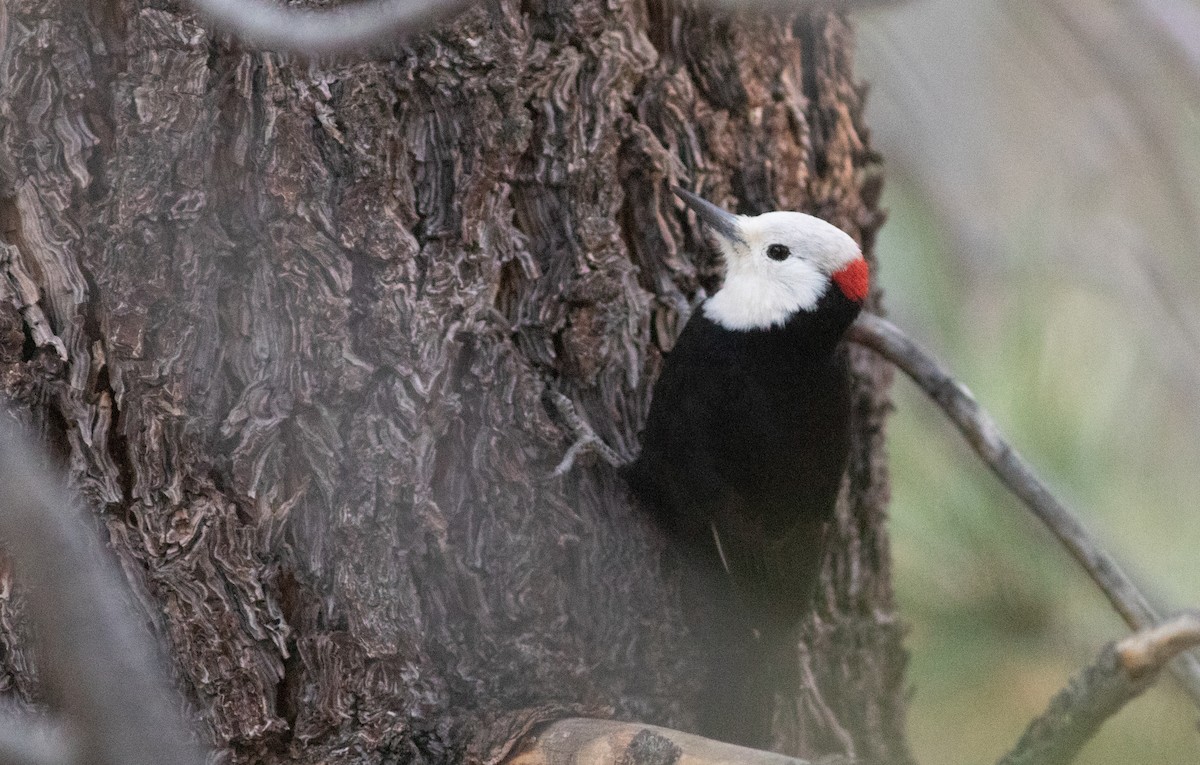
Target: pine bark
pixel 290 326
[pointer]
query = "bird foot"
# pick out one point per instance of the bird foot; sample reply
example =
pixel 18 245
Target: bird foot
pixel 585 437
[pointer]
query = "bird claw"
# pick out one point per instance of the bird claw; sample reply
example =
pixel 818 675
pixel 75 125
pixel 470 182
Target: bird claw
pixel 585 437
pixel 568 460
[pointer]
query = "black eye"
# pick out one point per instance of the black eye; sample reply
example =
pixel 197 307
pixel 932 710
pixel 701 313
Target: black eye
pixel 778 252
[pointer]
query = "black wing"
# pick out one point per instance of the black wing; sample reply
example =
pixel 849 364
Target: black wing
pixel 743 463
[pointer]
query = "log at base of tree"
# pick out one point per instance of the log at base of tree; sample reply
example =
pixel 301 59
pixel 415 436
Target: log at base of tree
pixel 582 741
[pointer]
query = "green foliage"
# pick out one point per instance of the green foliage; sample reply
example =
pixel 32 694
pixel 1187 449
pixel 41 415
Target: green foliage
pixel 1001 616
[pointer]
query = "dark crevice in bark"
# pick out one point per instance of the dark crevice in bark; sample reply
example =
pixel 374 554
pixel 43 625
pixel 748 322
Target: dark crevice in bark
pixel 101 388
pixel 10 219
pixel 117 445
pixel 636 190
pixel 660 21
pixel 288 691
pixel 808 33
pixel 751 186
pixel 29 348
pixel 55 430
pixel 508 290
pixel 106 27
pixel 713 66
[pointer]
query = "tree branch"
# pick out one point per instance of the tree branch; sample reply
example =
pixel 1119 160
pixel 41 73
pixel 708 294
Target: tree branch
pixel 584 741
pixel 98 661
pixel 1122 672
pixel 1016 474
pixel 1147 651
pixel 275 26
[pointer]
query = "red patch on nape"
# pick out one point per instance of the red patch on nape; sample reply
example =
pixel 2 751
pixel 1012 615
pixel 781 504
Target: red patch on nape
pixel 854 280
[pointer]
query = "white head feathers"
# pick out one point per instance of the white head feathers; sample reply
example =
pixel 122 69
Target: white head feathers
pixel 779 263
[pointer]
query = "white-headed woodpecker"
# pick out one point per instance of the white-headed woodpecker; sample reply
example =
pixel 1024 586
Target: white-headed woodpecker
pixel 747 437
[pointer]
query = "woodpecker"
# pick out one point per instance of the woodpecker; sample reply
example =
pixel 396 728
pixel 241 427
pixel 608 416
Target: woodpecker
pixel 747 436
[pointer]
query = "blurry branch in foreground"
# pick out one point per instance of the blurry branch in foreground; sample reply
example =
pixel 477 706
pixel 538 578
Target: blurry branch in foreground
pixel 100 666
pixel 344 28
pixel 354 26
pixel 1121 673
pixel 1018 476
pixel 1176 25
pixel 25 741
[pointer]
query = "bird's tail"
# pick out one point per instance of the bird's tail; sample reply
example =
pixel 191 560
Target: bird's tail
pixel 774 577
pixel 749 674
pixel 754 598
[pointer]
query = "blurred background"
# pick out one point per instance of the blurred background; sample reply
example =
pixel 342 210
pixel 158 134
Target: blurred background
pixel 1042 168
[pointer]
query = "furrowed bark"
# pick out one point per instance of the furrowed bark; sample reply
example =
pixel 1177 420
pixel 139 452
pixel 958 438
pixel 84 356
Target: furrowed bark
pixel 291 330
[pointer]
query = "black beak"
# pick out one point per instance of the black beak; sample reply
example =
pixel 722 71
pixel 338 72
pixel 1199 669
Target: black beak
pixel 724 223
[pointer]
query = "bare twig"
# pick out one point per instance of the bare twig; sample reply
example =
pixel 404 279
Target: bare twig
pixel 1147 651
pixel 1015 473
pixel 275 26
pixel 1122 672
pixel 583 741
pixel 99 663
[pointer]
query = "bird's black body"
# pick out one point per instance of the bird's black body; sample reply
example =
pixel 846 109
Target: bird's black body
pixel 745 446
pixel 747 436
pixel 746 443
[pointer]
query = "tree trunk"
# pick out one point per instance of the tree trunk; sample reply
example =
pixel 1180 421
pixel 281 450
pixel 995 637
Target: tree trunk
pixel 291 326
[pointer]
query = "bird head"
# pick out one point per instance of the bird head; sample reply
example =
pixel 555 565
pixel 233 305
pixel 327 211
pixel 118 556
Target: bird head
pixel 778 264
